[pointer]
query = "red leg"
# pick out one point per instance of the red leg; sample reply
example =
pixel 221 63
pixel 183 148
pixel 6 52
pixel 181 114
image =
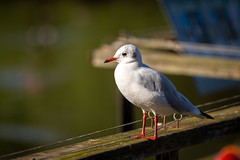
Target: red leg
pixel 155 136
pixel 143 127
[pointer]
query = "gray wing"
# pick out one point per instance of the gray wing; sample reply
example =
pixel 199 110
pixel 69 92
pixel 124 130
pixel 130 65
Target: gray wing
pixel 150 79
pixel 155 81
pixel 176 99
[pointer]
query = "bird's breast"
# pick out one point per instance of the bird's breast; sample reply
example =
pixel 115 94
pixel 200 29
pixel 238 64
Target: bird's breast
pixel 129 84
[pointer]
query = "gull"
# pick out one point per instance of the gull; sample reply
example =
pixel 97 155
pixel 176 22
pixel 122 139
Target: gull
pixel 149 89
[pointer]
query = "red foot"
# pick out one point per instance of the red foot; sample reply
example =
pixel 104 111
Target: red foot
pixel 151 138
pixel 139 136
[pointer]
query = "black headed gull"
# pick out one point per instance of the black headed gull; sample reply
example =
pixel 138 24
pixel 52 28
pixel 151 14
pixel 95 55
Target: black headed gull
pixel 148 89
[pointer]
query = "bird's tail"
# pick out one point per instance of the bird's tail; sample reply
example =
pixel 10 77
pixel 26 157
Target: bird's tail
pixel 205 115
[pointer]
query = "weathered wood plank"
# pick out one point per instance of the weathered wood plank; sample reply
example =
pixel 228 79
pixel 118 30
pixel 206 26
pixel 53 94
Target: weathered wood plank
pixel 121 147
pixel 179 47
pixel 178 64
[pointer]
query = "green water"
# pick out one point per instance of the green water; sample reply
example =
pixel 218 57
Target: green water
pixel 48 89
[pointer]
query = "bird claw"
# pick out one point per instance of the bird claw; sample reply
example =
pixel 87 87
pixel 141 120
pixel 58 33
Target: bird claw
pixel 143 137
pixel 139 136
pixel 151 138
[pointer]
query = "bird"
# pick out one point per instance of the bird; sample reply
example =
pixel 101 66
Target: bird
pixel 149 89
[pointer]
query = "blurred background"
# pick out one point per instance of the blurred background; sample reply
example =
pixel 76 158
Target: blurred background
pixel 48 89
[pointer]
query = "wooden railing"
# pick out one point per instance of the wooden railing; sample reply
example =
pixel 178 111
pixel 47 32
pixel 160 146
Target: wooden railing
pixel 167 56
pixel 121 147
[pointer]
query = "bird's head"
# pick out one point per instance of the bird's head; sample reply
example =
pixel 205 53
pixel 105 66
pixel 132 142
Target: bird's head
pixel 126 54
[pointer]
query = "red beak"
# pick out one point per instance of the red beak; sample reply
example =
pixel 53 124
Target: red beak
pixel 111 59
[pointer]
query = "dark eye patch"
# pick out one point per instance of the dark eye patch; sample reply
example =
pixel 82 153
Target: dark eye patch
pixel 134 55
pixel 124 54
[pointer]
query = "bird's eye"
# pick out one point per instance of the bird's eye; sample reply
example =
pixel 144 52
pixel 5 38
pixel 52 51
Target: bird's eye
pixel 134 55
pixel 124 54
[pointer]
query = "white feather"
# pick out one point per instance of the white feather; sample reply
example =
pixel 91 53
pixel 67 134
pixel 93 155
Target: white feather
pixel 147 88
